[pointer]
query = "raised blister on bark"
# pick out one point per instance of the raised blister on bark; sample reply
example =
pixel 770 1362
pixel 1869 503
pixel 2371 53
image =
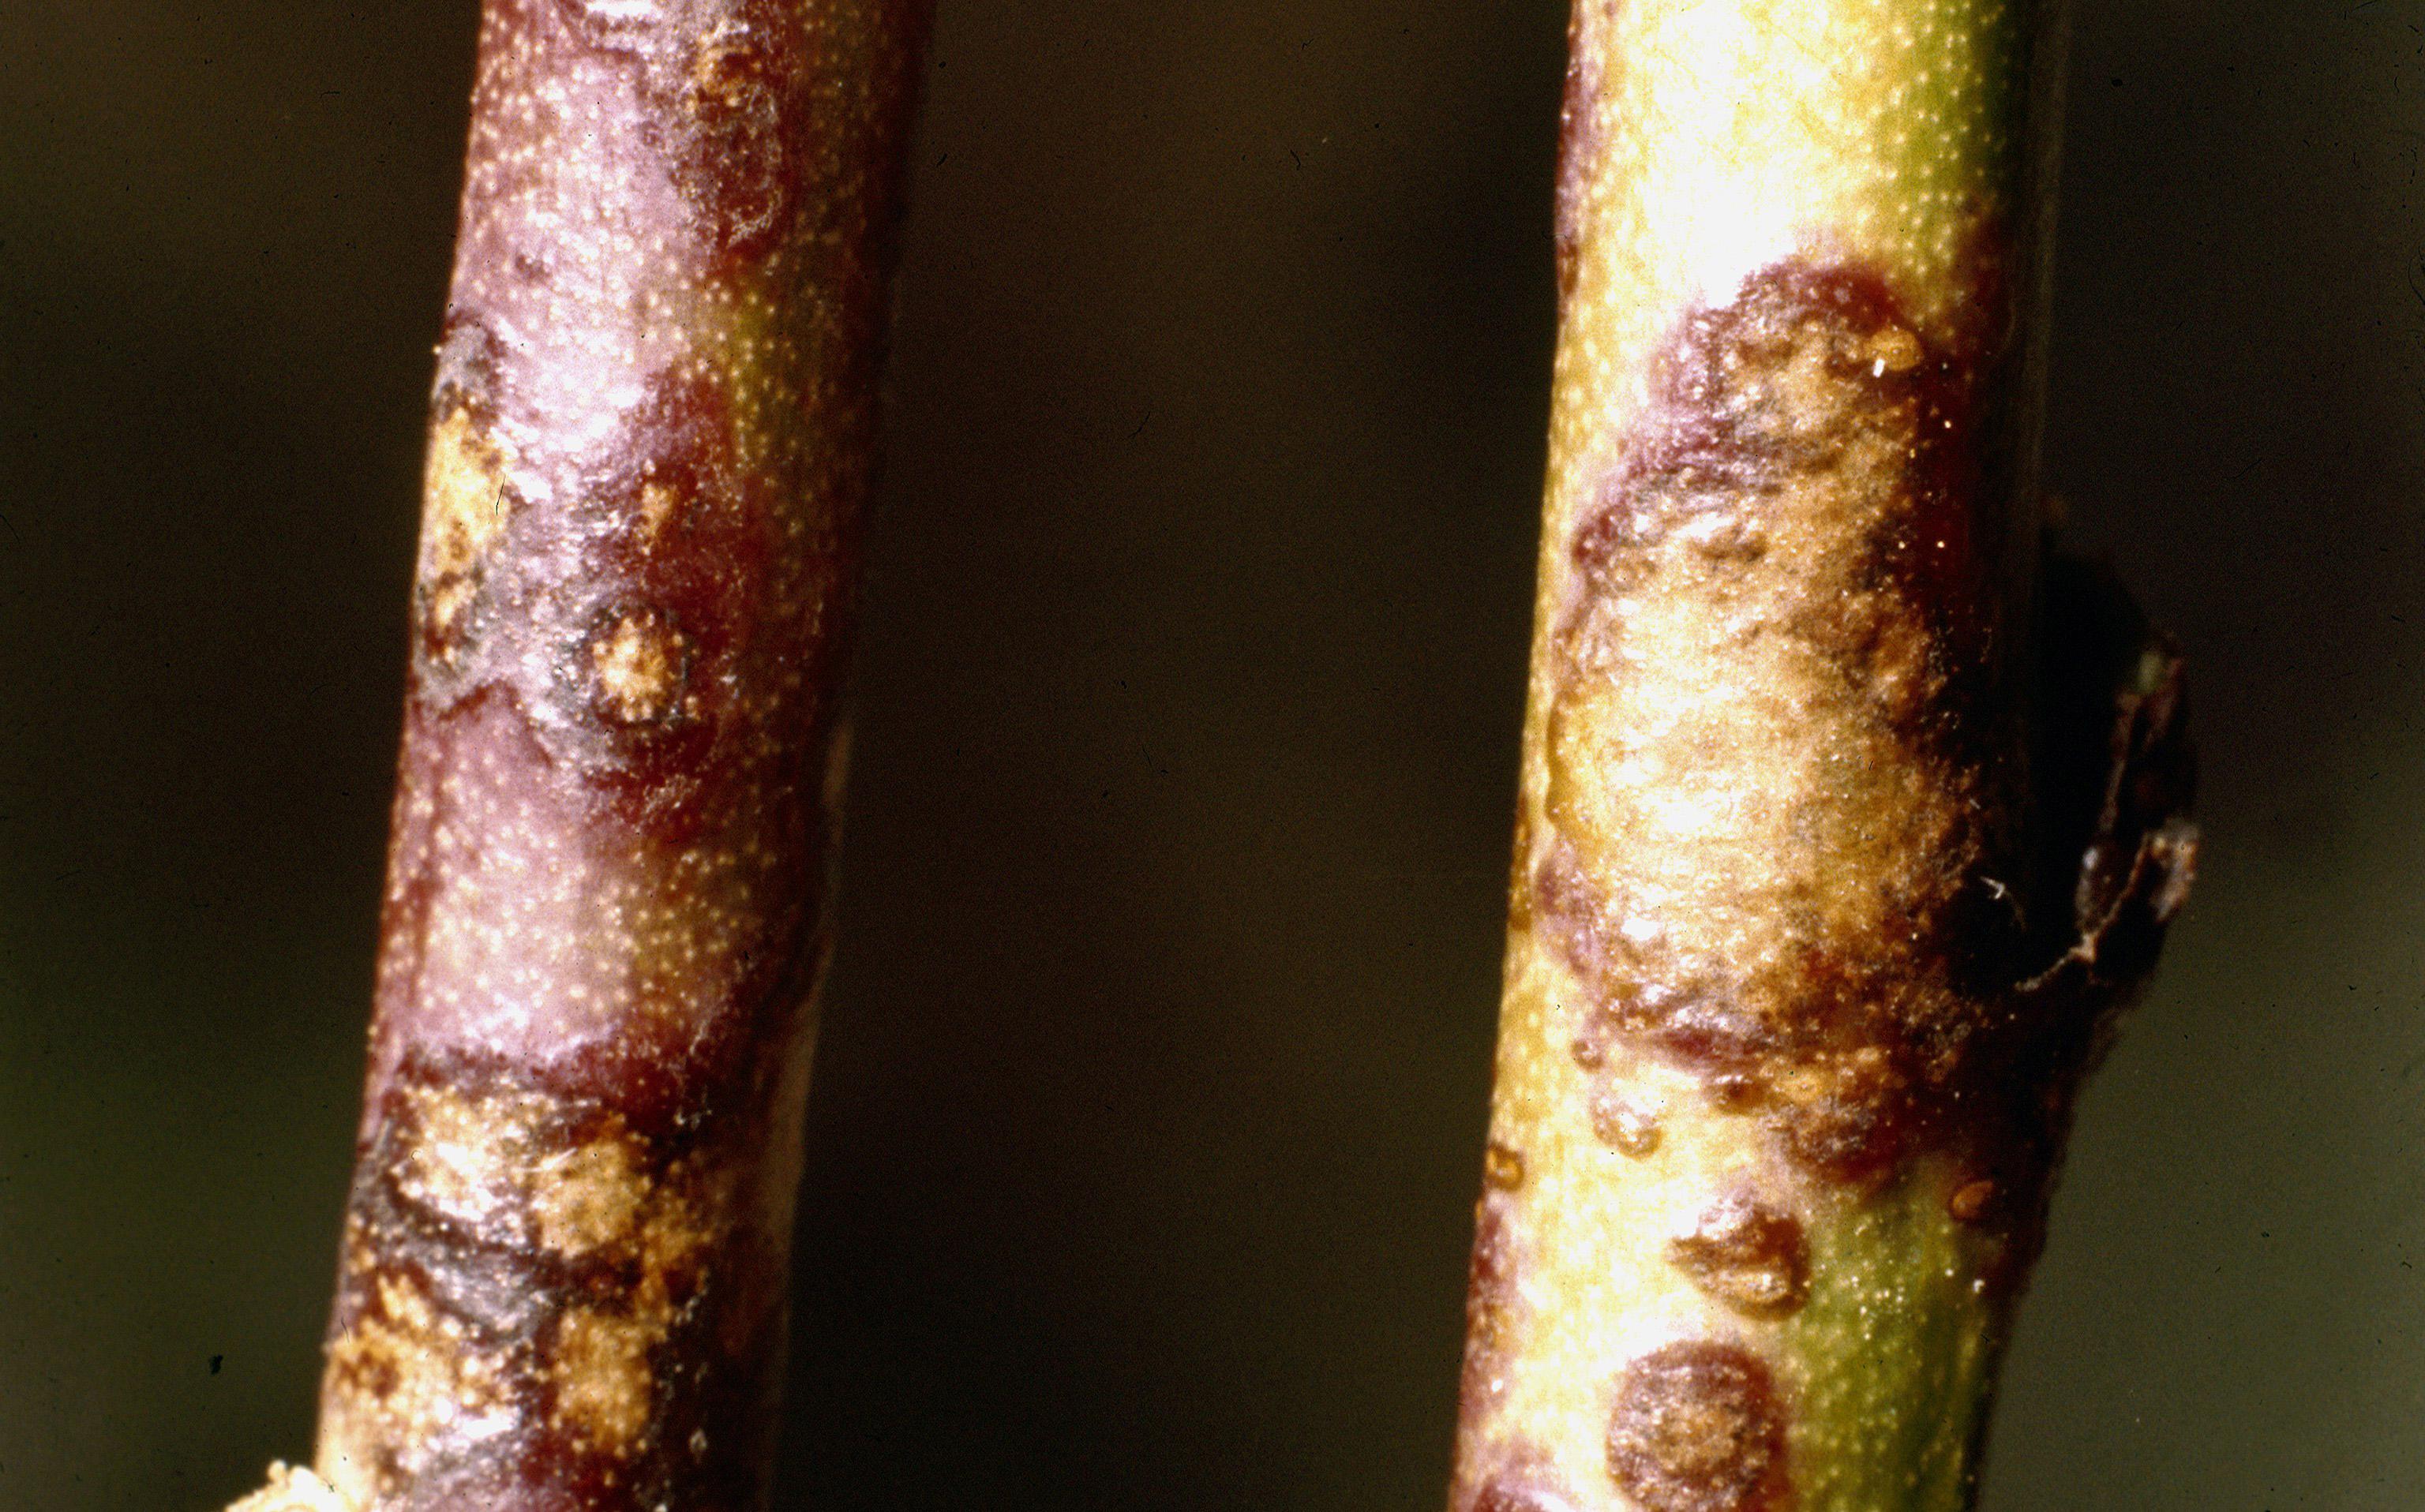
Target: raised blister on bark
pixel 1697 1427
pixel 1748 1255
pixel 1796 498
pixel 1624 1124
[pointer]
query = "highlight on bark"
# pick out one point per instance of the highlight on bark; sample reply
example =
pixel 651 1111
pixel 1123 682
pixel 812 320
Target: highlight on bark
pixel 1850 815
pixel 562 1270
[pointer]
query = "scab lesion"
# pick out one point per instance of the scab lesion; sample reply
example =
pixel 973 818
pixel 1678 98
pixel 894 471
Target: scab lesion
pixel 1747 1253
pixel 734 109
pixel 720 84
pixel 515 1261
pixel 1971 1202
pixel 414 1377
pixel 602 1380
pixel 1698 1426
pixel 1774 497
pixel 617 25
pixel 662 508
pixel 1624 1122
pixel 294 1489
pixel 1579 150
pixel 1503 1167
pixel 469 497
pixel 639 667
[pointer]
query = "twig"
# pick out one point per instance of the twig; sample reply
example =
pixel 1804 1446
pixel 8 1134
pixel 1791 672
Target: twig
pixel 1848 817
pixel 564 1263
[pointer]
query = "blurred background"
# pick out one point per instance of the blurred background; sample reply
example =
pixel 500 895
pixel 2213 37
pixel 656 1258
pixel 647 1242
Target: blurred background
pixel 1149 1103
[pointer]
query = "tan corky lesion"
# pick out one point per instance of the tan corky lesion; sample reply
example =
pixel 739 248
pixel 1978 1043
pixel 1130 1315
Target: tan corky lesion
pixel 590 1197
pixel 407 1381
pixel 1758 822
pixel 467 500
pixel 598 1363
pixel 639 661
pixel 524 1262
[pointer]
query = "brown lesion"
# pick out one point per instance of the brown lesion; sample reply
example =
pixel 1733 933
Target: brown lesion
pixel 645 609
pixel 467 500
pixel 588 1198
pixel 1624 1122
pixel 1503 1167
pixel 640 661
pixel 410 1380
pixel 1970 1201
pixel 661 509
pixel 564 1259
pixel 1781 844
pixel 618 24
pixel 469 497
pixel 603 1384
pixel 733 112
pixel 1700 1427
pixel 1748 1255
pixel 520 1269
pixel 1762 826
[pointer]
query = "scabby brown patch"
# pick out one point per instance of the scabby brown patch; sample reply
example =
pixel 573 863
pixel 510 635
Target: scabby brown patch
pixel 1748 1255
pixel 1783 843
pixel 1698 1427
pixel 521 1271
pixel 1763 786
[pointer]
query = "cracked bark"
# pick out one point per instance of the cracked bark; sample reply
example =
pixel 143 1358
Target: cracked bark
pixel 1851 813
pixel 563 1271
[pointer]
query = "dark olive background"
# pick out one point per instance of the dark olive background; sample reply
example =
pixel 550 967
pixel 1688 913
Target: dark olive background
pixel 1149 1103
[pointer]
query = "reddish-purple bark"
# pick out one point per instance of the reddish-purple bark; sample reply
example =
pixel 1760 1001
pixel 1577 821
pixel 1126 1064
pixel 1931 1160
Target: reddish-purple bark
pixel 564 1263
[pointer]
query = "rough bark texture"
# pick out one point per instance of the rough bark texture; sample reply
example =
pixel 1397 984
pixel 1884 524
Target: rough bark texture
pixel 562 1282
pixel 1849 815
